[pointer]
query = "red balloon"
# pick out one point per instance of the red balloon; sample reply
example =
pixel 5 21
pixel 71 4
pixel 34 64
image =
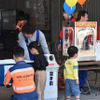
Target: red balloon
pixel 81 2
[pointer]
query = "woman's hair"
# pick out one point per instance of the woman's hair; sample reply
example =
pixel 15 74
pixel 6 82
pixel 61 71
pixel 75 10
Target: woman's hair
pixel 37 46
pixel 28 28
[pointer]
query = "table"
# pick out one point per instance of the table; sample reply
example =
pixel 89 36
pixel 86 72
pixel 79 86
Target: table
pixel 92 65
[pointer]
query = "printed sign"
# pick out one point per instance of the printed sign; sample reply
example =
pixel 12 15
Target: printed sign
pixel 6 68
pixel 51 85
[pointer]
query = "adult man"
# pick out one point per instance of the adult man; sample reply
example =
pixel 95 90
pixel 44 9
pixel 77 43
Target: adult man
pixel 29 34
pixel 20 22
pixel 82 17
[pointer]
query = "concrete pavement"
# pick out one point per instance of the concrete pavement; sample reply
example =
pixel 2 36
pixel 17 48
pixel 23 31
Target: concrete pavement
pixel 61 96
pixel 5 94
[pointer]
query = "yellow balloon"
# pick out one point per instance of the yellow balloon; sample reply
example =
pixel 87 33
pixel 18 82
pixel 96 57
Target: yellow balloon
pixel 71 3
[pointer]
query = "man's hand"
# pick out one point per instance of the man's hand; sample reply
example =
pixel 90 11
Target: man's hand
pixel 59 47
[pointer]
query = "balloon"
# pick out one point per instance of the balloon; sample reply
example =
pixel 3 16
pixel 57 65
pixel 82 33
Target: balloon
pixel 68 9
pixel 71 3
pixel 81 2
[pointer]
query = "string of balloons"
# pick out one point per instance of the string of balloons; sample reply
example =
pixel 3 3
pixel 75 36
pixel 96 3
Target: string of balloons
pixel 70 5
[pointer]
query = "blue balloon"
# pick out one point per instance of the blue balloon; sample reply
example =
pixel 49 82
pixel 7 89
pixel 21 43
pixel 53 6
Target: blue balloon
pixel 68 9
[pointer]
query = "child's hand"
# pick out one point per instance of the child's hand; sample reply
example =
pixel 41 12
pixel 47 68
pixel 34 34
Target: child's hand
pixel 77 82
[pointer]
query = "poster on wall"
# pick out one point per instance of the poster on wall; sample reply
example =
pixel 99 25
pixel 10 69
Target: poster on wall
pixel 85 40
pixel 40 13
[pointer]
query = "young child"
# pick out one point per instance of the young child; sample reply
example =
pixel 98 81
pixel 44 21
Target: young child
pixel 71 74
pixel 40 64
pixel 21 76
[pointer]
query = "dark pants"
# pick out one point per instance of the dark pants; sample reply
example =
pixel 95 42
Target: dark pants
pixel 25 96
pixel 82 77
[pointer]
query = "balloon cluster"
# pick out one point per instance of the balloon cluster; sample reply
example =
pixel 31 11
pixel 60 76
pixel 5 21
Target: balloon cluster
pixel 70 5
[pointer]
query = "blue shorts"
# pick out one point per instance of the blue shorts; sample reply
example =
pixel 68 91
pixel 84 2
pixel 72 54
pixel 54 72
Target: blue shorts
pixel 72 88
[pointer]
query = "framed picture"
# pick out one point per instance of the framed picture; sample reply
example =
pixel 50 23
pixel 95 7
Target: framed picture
pixel 68 36
pixel 85 40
